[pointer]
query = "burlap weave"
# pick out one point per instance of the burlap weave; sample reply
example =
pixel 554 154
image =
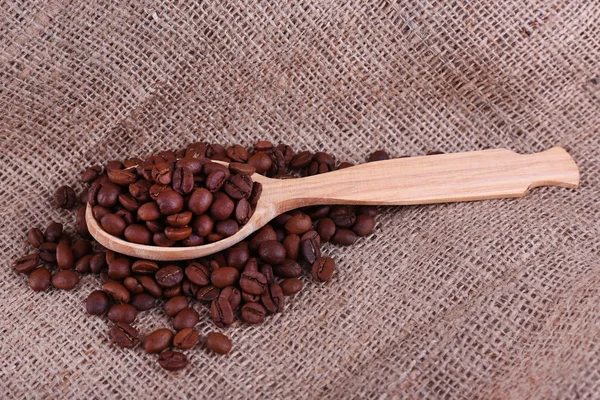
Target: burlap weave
pixel 495 299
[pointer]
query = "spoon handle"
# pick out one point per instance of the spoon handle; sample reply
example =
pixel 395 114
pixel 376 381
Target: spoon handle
pixel 477 175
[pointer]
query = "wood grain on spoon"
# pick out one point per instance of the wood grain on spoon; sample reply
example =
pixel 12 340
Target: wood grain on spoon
pixel 469 176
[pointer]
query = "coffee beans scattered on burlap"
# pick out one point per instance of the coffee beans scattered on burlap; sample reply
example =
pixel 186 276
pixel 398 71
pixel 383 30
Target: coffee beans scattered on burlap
pixel 183 198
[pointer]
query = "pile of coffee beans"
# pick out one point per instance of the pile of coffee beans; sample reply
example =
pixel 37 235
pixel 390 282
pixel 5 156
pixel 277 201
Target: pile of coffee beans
pixel 183 198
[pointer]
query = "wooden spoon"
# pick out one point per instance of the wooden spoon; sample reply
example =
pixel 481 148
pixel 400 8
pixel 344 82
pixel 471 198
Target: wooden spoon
pixel 476 175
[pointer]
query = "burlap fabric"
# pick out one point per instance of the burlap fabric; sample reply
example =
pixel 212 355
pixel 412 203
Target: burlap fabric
pixel 494 299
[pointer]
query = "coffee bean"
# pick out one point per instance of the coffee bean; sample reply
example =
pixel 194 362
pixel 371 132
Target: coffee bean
pixel 364 225
pixel 253 282
pixel 65 280
pixel 287 269
pixel 53 232
pixel 367 210
pixel 35 237
pixel 128 202
pixel 290 286
pixel 127 216
pixel 298 224
pixel 203 225
pixel 121 177
pixel 39 279
pixel 186 339
pixel 65 238
pixel 140 190
pixel 81 248
pixel 194 164
pixel 324 158
pixel 225 276
pixel 198 274
pixel 215 180
pixel 342 216
pixel 83 264
pixel 121 312
pixel 132 285
pixel 176 234
pixel 221 312
pixel 291 243
pixel 261 162
pixel 323 269
pixel 344 237
pixel 256 193
pixel 345 165
pixel 162 173
pixel 100 212
pixel 272 298
pixel 120 268
pixel 266 233
pixel 113 224
pixel 242 168
pixel 172 291
pixel 108 195
pixel 218 343
pixel 200 201
pixel 64 256
pixel 233 295
pixel 186 318
pixel 226 227
pixel 253 313
pixel 207 294
pixel 379 155
pixel 148 211
pixel 237 257
pixel 161 240
pixel 65 197
pixel 174 305
pixel 144 267
pixel 97 263
pixel 124 335
pixel 117 291
pixel 239 186
pixel 271 252
pixel 113 164
pixel 172 360
pixel 319 212
pixel 142 301
pixel 28 263
pixel 250 298
pixel 243 211
pixel 169 276
pixel 237 153
pixel 47 253
pixel 192 240
pixel 277 163
pixel 267 271
pixel 91 174
pixel 309 250
pixel 180 220
pixel 222 206
pixel 183 180
pixel 138 233
pixel 263 145
pixel 326 229
pixel 158 341
pixel 301 160
pixel 169 202
pixel 97 303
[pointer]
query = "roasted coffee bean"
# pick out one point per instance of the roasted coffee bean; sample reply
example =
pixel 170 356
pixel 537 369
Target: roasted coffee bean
pixel 267 271
pixel 124 335
pixel 200 201
pixel 172 291
pixel 298 224
pixel 93 193
pixel 99 212
pixel 194 164
pixel 65 279
pixel 180 220
pixel 287 269
pixel 97 263
pixel 309 250
pixel 323 269
pixel 186 339
pixel 266 233
pixel 91 174
pixel 186 318
pixel 379 155
pixel 140 190
pixel 108 195
pixel 225 276
pixel 144 267
pixel 233 295
pixel 218 343
pixel 241 168
pixel 83 197
pixel 192 240
pixel 35 237
pixel 162 173
pixel 326 229
pixel 183 180
pixel 65 238
pixel 121 312
pixel 142 301
pixel 81 248
pixel 121 177
pixel 345 165
pixel 47 253
pixel 344 237
pixel 281 220
pixel 220 259
pixel 113 164
pixel 271 252
pixel 222 206
pixel 311 235
pixel 138 233
pixel 367 210
pixel 221 312
pixel 277 163
pixel 250 298
pixel 253 282
pixel 132 163
pixel 83 264
pixel 97 303
pixel 256 193
pixel 117 291
pixel 158 341
pixel 239 186
pixel 174 305
pixel 364 225
pixel 198 274
pixel 280 235
pixel 253 313
pixel 261 162
pixel 28 263
pixel 203 225
pixel 291 243
pixel 237 257
pixel 172 360
pixel 177 234
pixel 243 211
pixel 237 153
pixel 263 145
pixel 129 203
pixel 65 197
pixel 324 158
pixel 64 256
pixel 215 180
pixel 156 189
pixel 169 276
pixel 272 298
pixel 301 160
pixel 207 294
pixel 119 268
pixel 319 212
pixel 169 202
pixel 226 228
pixel 161 240
pixel 342 216
pixel 113 224
pixel 127 216
pixel 39 279
pixel 133 285
pixel 290 286
pixel 150 285
pixel 53 232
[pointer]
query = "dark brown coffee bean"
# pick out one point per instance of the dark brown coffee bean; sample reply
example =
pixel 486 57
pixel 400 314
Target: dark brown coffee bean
pixel 319 212
pixel 237 257
pixel 364 225
pixel 47 253
pixel 194 164
pixel 26 264
pixel 117 291
pixel 80 224
pixel 342 216
pixel 150 285
pixel 215 180
pixel 291 243
pixel 140 190
pixel 132 285
pixel 309 250
pixel 93 193
pixel 263 145
pixel 174 305
pixel 81 248
pixel 200 201
pixel 266 233
pixel 177 234
pixel 233 295
pixel 99 212
pixel 158 341
pixel 271 252
pixel 183 180
pixel 277 162
pixel 256 193
pixel 218 343
pixel 290 286
pixel 127 216
pixel 226 228
pixel 301 160
pixel 326 229
pixel 239 186
pixel 108 195
pixel 65 280
pixel 243 211
pixel 281 220
pixel 225 276
pixel 169 202
pixel 186 318
pixel 121 312
pixel 203 225
pixel 198 274
pixel 344 237
pixel 97 303
pixel 323 269
pixel 241 168
pixel 261 162
pixel 142 301
pixel 113 164
pixel 91 174
pixel 253 282
pixel 272 298
pixel 97 263
pixel 221 261
pixel 172 360
pixel 53 232
pixel 378 155
pixel 144 267
pixel 222 206
pixel 192 240
pixel 65 197
pixel 121 177
pixel 138 233
pixel 132 163
pixel 83 264
pixel 35 237
pixel 250 298
pixel 113 224
pixel 345 165
pixel 207 294
pixel 169 276
pixel 298 224
pixel 162 173
pixel 39 279
pixel 64 256
pixel 129 203
pixel 65 238
pixel 287 269
pixel 313 168
pixel 237 153
pixel 324 158
pixel 161 240
pixel 186 339
pixel 172 291
pixel 267 271
pixel 221 312
pixel 367 210
pixel 119 268
pixel 156 189
pixel 124 335
pixel 253 313
pixel 180 220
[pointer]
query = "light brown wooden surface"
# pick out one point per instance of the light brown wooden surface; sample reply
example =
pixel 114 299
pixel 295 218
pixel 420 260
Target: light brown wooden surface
pixel 469 176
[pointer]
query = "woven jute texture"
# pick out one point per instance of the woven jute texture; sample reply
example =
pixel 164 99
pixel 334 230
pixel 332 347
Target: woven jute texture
pixel 493 299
